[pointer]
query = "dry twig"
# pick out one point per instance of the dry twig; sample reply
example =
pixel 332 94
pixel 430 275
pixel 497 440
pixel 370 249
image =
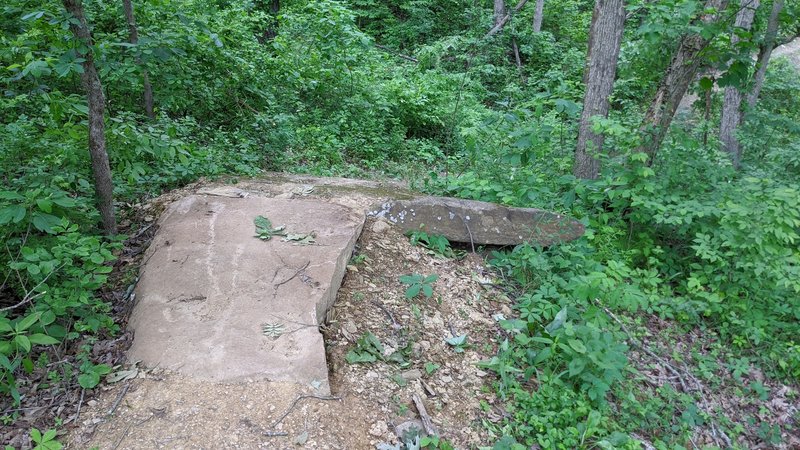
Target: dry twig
pixel 427 423
pixel 289 410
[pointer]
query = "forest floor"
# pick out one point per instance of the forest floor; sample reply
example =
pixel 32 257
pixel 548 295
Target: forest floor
pixel 372 403
pixel 386 354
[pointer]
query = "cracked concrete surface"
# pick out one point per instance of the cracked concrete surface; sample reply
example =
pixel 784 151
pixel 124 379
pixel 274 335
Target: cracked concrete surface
pixel 216 303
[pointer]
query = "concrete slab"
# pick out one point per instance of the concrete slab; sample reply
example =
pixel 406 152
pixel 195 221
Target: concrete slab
pixel 216 303
pixel 477 222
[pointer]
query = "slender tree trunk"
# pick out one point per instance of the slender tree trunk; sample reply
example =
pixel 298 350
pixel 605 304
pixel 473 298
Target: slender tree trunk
pixel 680 73
pixel 707 114
pixel 499 11
pixel 732 103
pixel 101 170
pixel 133 33
pixel 538 16
pixel 605 38
pixel 764 54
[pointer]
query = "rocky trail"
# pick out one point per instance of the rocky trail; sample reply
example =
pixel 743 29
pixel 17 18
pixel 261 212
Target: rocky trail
pixel 298 331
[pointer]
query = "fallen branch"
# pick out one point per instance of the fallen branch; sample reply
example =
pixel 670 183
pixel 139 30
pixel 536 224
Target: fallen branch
pixel 507 18
pixel 118 400
pixel 80 403
pixel 427 423
pixel 394 53
pixel 387 312
pixel 716 433
pixel 289 410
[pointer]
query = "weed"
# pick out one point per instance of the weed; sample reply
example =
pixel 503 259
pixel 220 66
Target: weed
pixel 419 284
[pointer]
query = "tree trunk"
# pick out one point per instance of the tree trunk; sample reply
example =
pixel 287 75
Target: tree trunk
pixel 101 170
pixel 605 38
pixel 499 11
pixel 732 104
pixel 681 71
pixel 133 33
pixel 537 16
pixel 764 54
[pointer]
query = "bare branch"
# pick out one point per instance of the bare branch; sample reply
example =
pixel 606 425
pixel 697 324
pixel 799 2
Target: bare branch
pixel 502 22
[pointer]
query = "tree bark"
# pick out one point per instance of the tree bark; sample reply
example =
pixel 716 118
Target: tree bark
pixel 101 170
pixel 505 19
pixel 764 54
pixel 133 33
pixel 538 16
pixel 499 11
pixel 605 38
pixel 681 71
pixel 732 103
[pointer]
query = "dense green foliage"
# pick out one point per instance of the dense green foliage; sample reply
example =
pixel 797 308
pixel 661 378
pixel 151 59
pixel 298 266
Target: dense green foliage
pixel 686 238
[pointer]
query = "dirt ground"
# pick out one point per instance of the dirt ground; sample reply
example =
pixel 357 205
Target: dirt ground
pixel 371 403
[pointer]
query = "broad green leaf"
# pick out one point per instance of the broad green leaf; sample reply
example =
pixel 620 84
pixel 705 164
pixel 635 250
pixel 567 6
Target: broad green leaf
pixel 45 222
pixel 577 345
pixel 45 205
pixel 413 291
pixel 431 278
pixel 42 339
pixel 48 317
pixel 26 323
pixel 557 322
pixel 89 380
pixel 11 195
pixel 13 213
pixel 23 342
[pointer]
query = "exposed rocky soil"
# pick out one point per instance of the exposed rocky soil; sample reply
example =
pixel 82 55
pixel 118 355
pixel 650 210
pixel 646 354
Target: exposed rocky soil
pixel 372 401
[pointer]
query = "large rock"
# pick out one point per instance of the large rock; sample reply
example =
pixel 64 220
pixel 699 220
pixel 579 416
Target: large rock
pixel 217 303
pixel 479 222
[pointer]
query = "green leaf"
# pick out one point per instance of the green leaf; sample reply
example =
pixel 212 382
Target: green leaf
pixel 45 222
pixel 431 278
pixel 577 345
pixel 355 357
pixel 5 363
pixel 558 322
pixel 36 435
pixel 410 279
pixel 45 205
pixel 413 291
pixel 5 325
pixel 13 213
pixel 64 202
pixel 431 367
pixel 26 323
pixel 11 195
pixel 49 435
pixel 48 317
pixel 262 222
pixel 23 342
pixel 427 289
pixel 576 366
pixel 543 355
pixel 42 339
pixel 89 380
pixel 457 341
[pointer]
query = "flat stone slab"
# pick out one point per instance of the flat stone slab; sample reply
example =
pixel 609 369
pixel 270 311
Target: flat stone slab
pixel 216 303
pixel 477 222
